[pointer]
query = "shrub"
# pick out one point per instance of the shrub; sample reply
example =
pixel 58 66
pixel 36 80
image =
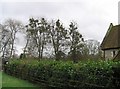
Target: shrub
pixel 59 74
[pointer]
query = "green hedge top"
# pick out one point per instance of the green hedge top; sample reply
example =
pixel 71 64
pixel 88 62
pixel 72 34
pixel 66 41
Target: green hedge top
pixel 65 73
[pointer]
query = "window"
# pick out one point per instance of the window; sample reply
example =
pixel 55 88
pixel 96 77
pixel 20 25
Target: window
pixel 113 53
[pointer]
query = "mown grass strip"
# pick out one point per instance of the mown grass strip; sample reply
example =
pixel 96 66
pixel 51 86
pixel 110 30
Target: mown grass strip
pixel 9 81
pixel 0 79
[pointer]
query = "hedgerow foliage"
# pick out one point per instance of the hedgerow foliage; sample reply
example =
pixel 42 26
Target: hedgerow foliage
pixel 59 74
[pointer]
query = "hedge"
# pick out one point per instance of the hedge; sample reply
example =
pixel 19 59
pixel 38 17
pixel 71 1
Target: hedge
pixel 59 74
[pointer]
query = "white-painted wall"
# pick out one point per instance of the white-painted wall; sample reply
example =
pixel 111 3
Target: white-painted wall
pixel 109 54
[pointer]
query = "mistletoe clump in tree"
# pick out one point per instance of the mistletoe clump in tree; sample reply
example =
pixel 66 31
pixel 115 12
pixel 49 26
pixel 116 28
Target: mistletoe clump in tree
pixel 76 40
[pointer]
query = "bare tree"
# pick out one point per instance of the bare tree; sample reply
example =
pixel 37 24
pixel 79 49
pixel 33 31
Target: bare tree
pixel 13 26
pixel 4 42
pixel 58 37
pixel 93 46
pixel 37 35
pixel 91 49
pixel 76 40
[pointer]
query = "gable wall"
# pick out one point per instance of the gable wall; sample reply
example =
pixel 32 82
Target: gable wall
pixel 109 54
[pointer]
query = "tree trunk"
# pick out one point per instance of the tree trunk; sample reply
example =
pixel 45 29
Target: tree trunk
pixel 12 48
pixel 39 52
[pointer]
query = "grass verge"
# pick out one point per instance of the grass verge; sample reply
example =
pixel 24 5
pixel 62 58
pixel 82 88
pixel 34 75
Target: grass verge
pixel 9 81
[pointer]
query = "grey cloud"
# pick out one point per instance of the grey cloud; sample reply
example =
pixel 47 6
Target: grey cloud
pixel 93 17
pixel 31 8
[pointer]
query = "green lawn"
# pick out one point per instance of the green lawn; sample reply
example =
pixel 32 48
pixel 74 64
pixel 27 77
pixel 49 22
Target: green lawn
pixel 9 81
pixel 0 79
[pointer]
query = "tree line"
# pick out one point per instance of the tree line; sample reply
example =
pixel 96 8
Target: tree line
pixel 47 37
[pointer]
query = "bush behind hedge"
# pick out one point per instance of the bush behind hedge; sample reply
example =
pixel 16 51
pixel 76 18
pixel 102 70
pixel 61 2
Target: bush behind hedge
pixel 59 74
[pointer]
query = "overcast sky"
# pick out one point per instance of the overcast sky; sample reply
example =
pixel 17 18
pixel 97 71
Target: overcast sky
pixel 92 16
